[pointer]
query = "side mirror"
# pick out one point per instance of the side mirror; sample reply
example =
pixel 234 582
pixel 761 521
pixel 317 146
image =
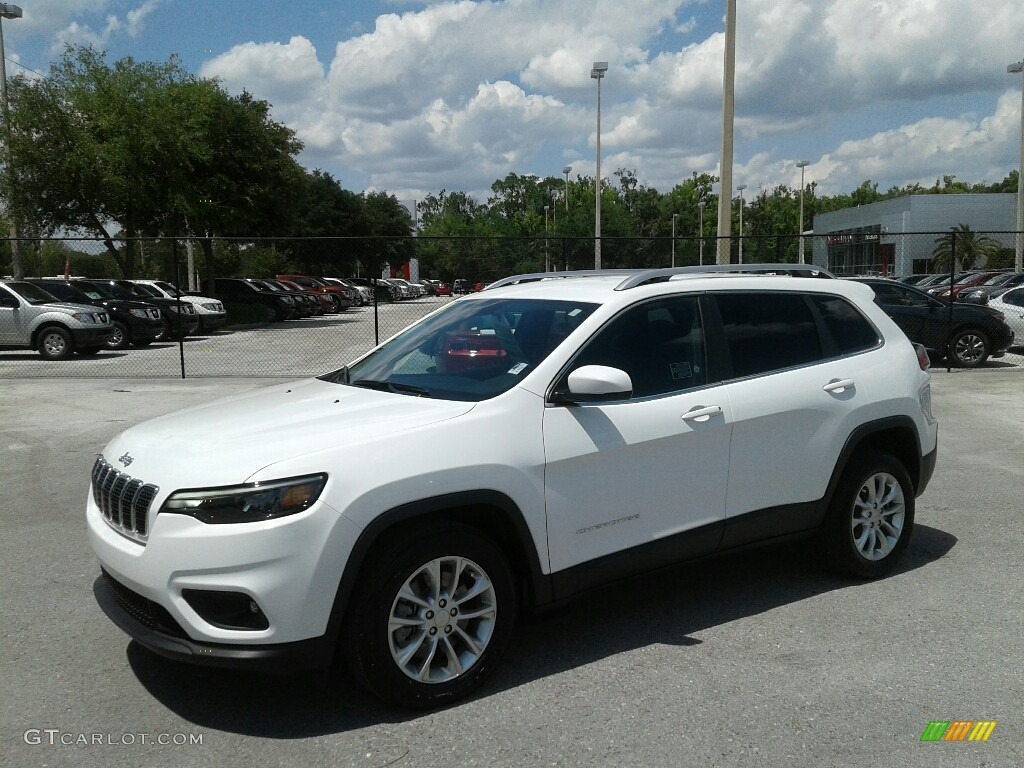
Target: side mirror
pixel 596 384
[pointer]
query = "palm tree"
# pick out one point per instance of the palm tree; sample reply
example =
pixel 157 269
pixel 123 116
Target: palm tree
pixel 971 248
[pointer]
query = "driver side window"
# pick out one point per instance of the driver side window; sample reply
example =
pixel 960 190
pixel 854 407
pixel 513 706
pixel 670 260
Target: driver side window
pixel 660 344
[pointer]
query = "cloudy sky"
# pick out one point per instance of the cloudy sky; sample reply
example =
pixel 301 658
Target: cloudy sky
pixel 415 96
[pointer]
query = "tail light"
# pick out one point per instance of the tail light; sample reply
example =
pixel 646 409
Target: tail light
pixel 922 357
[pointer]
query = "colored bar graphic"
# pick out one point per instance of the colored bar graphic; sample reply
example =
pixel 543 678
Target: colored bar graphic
pixel 958 730
pixel 982 730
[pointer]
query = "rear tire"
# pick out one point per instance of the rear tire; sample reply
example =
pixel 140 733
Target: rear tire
pixel 431 616
pixel 871 517
pixel 969 348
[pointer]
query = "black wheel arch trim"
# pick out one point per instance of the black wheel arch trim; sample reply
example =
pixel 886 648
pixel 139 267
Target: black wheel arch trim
pixel 536 584
pixel 862 436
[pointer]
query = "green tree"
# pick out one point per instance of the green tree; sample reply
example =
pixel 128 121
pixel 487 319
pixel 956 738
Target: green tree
pixel 972 248
pixel 144 148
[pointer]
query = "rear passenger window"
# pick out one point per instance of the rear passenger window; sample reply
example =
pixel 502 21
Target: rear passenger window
pixel 768 331
pixel 850 330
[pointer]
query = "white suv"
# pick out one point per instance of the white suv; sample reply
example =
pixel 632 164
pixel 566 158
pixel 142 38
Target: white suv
pixel 504 453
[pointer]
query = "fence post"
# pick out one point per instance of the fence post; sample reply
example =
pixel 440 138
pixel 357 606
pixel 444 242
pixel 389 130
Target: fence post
pixel 952 277
pixel 177 282
pixel 376 318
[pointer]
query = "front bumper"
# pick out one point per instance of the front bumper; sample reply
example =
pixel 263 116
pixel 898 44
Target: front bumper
pixel 290 567
pixel 91 337
pixel 153 628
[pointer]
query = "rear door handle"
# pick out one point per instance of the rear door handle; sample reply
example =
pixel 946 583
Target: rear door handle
pixel 838 386
pixel 702 413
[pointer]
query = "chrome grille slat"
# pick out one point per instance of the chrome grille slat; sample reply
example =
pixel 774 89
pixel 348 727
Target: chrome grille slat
pixel 123 501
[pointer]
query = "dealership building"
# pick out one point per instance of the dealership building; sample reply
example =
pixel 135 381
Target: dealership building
pixel 896 237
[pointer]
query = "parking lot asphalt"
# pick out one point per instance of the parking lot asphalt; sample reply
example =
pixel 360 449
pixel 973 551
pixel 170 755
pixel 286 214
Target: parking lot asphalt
pixel 760 659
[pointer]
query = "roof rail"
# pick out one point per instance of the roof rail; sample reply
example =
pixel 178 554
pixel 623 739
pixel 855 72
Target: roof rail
pixel 637 277
pixel 535 276
pixel 649 276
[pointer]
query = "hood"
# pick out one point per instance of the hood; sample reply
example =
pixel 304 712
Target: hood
pixel 71 308
pixel 227 441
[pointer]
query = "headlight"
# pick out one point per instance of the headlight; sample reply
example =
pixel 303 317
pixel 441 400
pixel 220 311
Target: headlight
pixel 247 503
pixel 84 317
pixel 138 312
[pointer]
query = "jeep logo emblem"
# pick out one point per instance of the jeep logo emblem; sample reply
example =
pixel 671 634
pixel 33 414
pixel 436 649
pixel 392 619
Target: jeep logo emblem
pixel 126 459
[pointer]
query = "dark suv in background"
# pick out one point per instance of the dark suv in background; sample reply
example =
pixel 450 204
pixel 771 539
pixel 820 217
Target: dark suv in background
pixel 135 321
pixel 975 334
pixel 239 291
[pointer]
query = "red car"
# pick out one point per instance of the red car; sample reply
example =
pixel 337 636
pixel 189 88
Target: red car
pixel 325 302
pixel 443 289
pixel 338 300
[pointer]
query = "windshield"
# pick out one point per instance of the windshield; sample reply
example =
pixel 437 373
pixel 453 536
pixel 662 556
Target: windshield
pixel 146 291
pixel 169 289
pixel 66 292
pixel 104 291
pixel 470 350
pixel 33 294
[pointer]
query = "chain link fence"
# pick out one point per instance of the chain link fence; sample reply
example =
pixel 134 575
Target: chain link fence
pixel 210 327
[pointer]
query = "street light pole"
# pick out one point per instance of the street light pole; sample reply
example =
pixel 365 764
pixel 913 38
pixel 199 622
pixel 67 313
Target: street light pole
pixel 597 73
pixel 8 11
pixel 800 245
pixel 728 113
pixel 700 227
pixel 740 188
pixel 547 253
pixel 566 171
pixel 675 217
pixel 1018 259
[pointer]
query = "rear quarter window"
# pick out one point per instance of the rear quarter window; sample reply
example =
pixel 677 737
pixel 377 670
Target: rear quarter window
pixel 849 330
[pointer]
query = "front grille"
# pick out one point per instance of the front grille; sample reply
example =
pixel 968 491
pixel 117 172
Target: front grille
pixel 103 317
pixel 123 500
pixel 155 314
pixel 188 309
pixel 142 609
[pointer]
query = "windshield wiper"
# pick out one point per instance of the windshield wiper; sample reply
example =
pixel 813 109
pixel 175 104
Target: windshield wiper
pixel 391 386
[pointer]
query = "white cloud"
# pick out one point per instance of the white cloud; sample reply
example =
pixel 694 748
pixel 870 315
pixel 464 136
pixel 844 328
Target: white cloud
pixel 456 93
pixel 76 33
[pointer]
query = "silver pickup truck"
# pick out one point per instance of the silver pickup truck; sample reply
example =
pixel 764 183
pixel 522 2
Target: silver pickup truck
pixel 31 318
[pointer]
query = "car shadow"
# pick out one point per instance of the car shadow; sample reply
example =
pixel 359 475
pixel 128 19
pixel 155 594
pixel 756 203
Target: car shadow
pixel 670 607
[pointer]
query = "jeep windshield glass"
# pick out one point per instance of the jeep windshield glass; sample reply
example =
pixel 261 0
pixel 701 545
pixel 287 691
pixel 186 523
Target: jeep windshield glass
pixel 470 350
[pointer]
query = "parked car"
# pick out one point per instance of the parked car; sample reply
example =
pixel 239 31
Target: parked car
pixel 916 279
pixel 982 293
pixel 32 318
pixel 338 298
pixel 361 294
pixel 965 283
pixel 210 312
pixel 419 499
pixel 321 302
pixel 975 334
pixel 135 322
pixel 235 289
pixel 179 319
pixel 461 286
pixel 384 290
pixel 305 303
pixel 1011 304
pixel 443 289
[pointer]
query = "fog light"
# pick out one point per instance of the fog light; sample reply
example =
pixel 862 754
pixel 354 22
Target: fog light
pixel 227 610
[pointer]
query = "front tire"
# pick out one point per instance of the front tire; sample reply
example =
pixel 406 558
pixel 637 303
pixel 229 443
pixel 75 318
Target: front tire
pixel 120 338
pixel 431 616
pixel 871 517
pixel 56 343
pixel 969 348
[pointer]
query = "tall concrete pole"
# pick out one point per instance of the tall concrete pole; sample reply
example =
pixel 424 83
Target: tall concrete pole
pixel 728 111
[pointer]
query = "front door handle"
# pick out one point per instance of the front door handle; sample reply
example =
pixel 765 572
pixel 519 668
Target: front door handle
pixel 702 413
pixel 838 386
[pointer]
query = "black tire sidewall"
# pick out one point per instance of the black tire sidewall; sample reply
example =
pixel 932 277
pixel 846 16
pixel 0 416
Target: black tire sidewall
pixel 370 612
pixel 841 551
pixel 965 332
